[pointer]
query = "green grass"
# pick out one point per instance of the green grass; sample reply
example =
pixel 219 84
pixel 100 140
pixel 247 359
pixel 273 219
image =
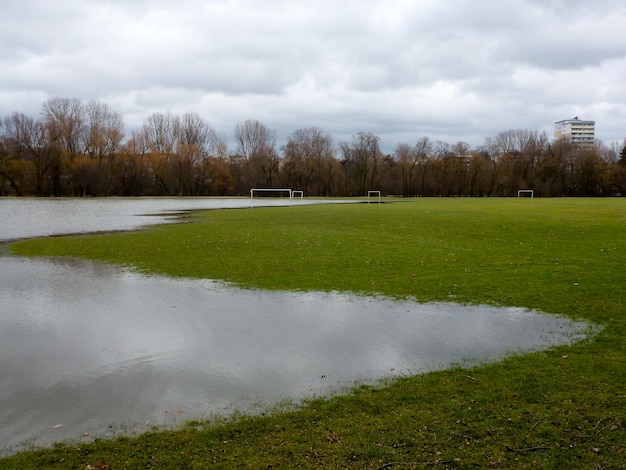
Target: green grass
pixel 561 408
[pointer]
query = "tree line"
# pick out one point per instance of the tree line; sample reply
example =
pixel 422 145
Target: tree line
pixel 80 149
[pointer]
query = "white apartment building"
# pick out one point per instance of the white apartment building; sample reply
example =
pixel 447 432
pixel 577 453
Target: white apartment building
pixel 575 130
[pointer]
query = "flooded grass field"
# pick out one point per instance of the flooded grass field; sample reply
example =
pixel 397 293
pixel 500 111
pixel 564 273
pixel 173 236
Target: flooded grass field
pixel 90 350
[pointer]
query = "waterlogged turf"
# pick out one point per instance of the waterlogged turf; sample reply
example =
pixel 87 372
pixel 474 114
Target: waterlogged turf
pixel 162 350
pixel 560 408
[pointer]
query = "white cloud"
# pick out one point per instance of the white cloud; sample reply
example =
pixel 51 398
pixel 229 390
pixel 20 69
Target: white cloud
pixel 449 69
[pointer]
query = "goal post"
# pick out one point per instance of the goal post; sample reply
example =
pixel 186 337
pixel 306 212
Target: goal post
pixel 529 192
pixel 271 190
pixel 295 193
pixel 371 194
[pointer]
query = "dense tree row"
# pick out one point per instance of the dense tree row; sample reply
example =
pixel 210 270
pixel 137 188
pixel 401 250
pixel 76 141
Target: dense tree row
pixel 79 149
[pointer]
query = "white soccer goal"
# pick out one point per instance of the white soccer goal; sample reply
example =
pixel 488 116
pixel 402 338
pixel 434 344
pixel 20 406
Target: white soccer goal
pixel 371 194
pixel 529 192
pixel 296 193
pixel 271 190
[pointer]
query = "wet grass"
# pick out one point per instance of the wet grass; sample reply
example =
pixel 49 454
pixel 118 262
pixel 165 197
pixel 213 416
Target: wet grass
pixel 561 408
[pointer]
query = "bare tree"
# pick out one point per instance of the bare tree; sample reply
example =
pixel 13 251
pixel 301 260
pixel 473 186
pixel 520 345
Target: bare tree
pixel 103 130
pixel 64 118
pixel 177 145
pixel 405 156
pixel 195 139
pixel 304 154
pixel 27 140
pixel 11 154
pixel 256 145
pixel 360 162
pixel 159 136
pixel 103 134
pixel 64 122
pixel 481 170
pixel 417 167
pixel 220 149
pixel 253 139
pixel 522 149
pixel 159 130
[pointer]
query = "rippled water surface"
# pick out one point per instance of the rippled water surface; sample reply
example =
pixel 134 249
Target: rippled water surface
pixel 90 350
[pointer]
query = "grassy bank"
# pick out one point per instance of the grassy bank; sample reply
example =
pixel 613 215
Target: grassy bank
pixel 561 408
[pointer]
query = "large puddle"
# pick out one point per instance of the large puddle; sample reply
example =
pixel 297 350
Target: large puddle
pixel 39 217
pixel 89 350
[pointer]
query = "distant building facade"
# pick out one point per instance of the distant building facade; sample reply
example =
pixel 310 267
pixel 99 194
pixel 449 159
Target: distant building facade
pixel 575 131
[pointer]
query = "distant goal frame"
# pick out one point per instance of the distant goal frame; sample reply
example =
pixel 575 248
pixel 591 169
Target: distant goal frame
pixel 526 191
pixel 373 192
pixel 289 191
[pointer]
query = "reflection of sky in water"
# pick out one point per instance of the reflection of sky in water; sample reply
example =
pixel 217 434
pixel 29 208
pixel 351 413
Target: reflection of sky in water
pixel 30 217
pixel 87 345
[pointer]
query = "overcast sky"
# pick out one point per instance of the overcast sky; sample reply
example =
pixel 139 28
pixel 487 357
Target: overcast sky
pixel 452 70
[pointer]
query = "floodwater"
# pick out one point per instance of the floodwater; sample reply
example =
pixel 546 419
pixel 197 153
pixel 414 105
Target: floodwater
pixel 91 350
pixel 30 217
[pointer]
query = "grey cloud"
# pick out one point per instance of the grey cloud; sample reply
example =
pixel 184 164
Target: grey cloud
pixel 452 69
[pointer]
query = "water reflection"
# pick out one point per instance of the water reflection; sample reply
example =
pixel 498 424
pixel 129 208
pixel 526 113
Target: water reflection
pixel 97 349
pixel 89 348
pixel 26 217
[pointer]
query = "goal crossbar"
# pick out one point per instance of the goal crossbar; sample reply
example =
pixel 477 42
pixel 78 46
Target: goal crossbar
pixel 271 190
pixel 373 193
